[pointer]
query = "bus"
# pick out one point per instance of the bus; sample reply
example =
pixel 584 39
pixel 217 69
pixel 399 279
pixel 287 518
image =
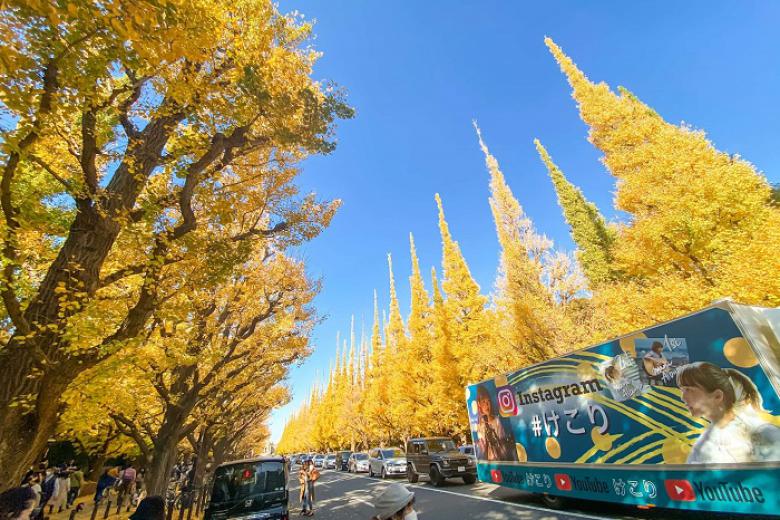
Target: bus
pixel 684 414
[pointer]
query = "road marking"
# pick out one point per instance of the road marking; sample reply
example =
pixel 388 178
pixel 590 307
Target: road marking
pixel 486 499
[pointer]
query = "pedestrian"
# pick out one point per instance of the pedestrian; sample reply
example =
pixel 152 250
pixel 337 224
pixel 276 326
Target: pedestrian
pixel 59 497
pixel 127 482
pixel 395 502
pixel 140 492
pixel 307 476
pixel 150 508
pixel 34 483
pixel 48 483
pixel 76 480
pixel 106 481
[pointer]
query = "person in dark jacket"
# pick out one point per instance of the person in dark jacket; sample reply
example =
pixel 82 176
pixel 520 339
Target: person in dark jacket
pixel 106 481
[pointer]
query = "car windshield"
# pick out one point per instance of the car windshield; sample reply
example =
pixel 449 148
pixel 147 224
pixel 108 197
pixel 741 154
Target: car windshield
pixel 440 445
pixel 389 454
pixel 360 456
pixel 239 481
pixel 331 457
pixel 468 450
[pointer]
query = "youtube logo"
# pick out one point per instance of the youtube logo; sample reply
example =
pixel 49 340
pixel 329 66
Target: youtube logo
pixel 496 476
pixel 680 490
pixel 563 481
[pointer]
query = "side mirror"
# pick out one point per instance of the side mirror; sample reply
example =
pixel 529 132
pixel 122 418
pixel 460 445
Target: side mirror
pixel 424 451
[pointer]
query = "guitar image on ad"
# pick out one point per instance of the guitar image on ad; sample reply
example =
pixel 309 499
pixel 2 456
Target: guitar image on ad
pixel 657 367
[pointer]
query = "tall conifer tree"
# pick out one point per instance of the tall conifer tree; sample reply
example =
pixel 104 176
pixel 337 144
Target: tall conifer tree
pixel 464 303
pixel 446 384
pixel 534 323
pixel 589 230
pixel 702 226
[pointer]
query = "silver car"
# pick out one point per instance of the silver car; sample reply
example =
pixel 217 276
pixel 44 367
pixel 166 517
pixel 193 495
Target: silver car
pixel 319 460
pixel 358 463
pixel 386 462
pixel 330 461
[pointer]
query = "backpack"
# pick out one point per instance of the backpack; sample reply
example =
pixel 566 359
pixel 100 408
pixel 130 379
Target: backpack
pixel 128 475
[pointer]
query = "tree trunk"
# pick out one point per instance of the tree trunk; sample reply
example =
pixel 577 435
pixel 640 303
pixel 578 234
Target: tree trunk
pixel 99 458
pixel 163 459
pixel 25 436
pixel 77 270
pixel 202 453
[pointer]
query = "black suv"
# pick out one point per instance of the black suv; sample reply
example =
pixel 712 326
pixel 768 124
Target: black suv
pixel 252 488
pixel 438 458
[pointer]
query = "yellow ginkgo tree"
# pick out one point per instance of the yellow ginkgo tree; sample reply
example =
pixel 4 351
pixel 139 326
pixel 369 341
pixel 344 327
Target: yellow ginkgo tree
pixel 126 128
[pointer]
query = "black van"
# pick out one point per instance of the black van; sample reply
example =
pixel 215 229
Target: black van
pixel 250 489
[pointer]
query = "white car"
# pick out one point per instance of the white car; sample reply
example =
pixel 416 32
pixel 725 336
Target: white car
pixel 330 461
pixel 319 460
pixel 386 462
pixel 358 463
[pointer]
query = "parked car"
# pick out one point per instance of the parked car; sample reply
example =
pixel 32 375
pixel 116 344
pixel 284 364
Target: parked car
pixel 342 460
pixel 358 463
pixel 319 460
pixel 330 461
pixel 252 488
pixel 386 462
pixel 438 458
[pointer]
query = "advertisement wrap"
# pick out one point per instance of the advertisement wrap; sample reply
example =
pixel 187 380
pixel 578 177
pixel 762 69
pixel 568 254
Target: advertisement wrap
pixel 683 415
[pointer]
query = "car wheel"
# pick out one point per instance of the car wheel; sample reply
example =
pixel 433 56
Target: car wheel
pixel 370 471
pixel 411 476
pixel 469 479
pixel 553 502
pixel 383 474
pixel 436 477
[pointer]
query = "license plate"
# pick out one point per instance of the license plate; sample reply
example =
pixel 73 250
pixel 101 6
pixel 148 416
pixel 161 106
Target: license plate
pixel 461 469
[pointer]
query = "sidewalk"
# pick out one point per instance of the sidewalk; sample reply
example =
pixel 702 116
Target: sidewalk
pixel 86 512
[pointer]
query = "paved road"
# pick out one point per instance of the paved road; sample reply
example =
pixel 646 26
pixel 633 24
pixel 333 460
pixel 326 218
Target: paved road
pixel 344 496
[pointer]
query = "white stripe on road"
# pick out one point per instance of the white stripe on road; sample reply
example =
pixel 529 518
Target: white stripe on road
pixel 485 499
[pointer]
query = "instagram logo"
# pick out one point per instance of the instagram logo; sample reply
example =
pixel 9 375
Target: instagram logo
pixel 507 405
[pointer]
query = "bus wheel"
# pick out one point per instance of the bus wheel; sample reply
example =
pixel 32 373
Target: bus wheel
pixel 553 501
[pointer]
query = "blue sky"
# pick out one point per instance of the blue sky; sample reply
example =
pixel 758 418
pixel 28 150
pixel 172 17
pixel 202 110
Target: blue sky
pixel 419 72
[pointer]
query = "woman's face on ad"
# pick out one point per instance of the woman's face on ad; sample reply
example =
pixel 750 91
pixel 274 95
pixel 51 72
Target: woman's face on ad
pixel 483 405
pixel 701 403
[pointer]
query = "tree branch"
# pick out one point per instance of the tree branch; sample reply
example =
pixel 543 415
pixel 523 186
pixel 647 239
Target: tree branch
pixel 126 427
pixel 220 145
pixel 253 231
pixel 40 162
pixel 12 305
pixel 89 149
pixel 133 270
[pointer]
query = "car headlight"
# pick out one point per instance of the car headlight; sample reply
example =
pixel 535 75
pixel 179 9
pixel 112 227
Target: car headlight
pixel 471 462
pixel 445 463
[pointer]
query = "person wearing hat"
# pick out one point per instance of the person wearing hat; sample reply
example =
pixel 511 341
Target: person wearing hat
pixel 395 502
